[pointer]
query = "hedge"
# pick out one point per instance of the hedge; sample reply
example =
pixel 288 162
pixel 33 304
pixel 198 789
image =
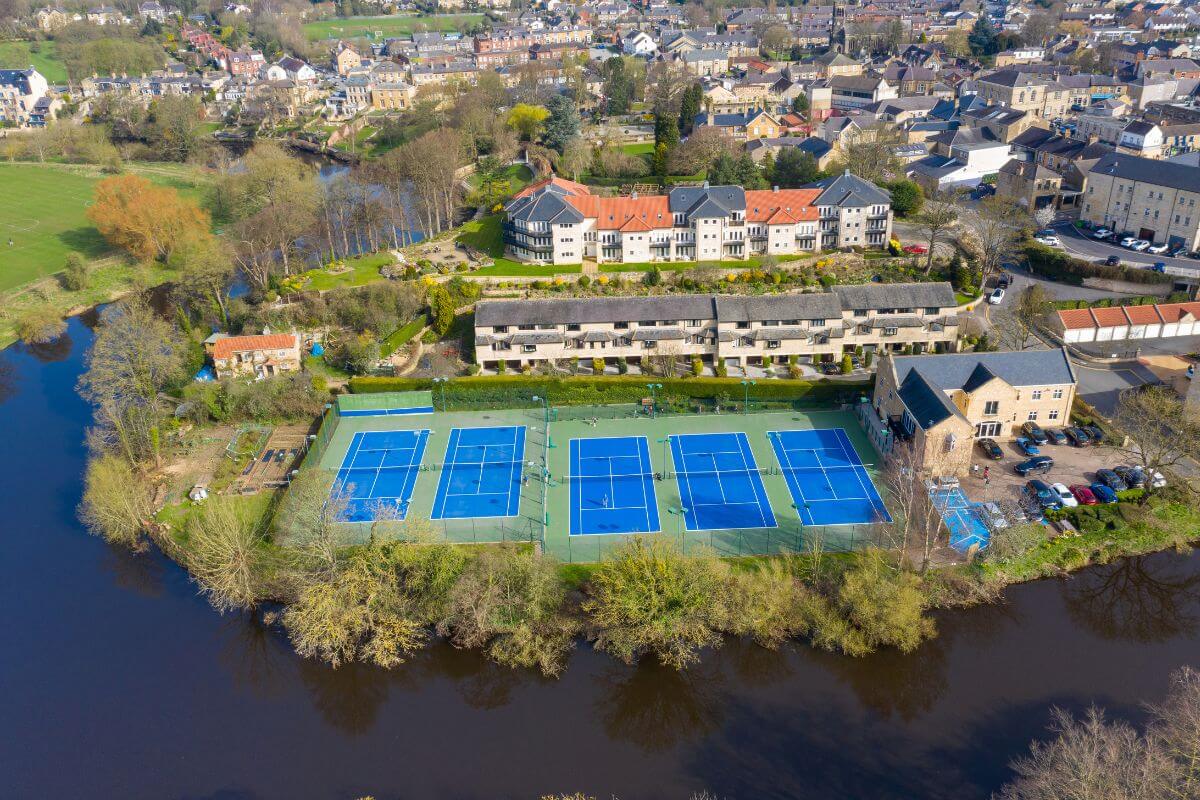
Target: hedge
pixel 504 391
pixel 1057 265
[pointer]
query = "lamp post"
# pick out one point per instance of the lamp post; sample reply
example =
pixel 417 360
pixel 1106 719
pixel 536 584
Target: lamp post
pixel 545 407
pixel 746 404
pixel 663 441
pixel 653 387
pixel 681 513
pixel 441 383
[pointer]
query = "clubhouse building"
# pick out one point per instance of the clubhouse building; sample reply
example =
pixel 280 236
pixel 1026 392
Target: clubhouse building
pixel 556 221
pixel 736 330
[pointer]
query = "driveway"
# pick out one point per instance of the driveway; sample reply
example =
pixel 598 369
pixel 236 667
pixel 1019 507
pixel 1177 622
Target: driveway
pixel 1101 386
pixel 1080 244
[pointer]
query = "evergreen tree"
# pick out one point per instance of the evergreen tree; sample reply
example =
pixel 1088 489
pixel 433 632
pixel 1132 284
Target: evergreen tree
pixel 983 40
pixel 563 123
pixel 723 171
pixel 747 174
pixel 618 86
pixel 794 168
pixel 689 107
pixel 660 159
pixel 666 131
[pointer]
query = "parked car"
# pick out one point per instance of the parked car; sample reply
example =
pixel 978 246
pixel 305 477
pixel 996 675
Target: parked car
pixel 915 249
pixel 1034 466
pixel 1083 494
pixel 1035 432
pixel 1049 241
pixel 1003 281
pixel 1056 436
pixel 1177 251
pixel 990 449
pixel 831 368
pixel 992 516
pixel 1134 478
pixel 1101 233
pixel 1156 480
pixel 1094 433
pixel 1111 479
pixel 1158 249
pixel 1129 241
pixel 1077 436
pixel 1112 261
pixel 1065 497
pixel 1045 496
pixel 1140 245
pixel 1027 446
pixel 1102 493
pixel 996 297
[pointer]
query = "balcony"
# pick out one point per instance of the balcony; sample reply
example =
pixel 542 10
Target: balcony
pixel 537 245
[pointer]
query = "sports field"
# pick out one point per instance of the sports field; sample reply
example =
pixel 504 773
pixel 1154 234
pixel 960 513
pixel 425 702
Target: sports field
pixel 740 484
pixel 386 27
pixel 43 215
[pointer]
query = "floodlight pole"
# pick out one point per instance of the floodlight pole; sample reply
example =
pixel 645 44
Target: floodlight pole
pixel 442 385
pixel 545 407
pixel 663 442
pixel 653 387
pixel 746 404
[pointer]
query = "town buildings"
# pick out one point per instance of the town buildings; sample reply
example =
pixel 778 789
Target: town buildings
pixel 24 98
pixel 1154 200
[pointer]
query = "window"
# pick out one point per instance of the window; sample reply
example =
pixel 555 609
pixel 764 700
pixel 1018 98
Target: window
pixel 773 344
pixel 743 326
pixel 695 323
pixel 991 407
pixel 932 310
pixel 1057 394
pixel 890 331
pixel 526 327
pixel 770 323
pixel 1037 394
pixel 573 326
pixel 649 323
pixel 1054 414
pixel 500 329
pixel 649 345
pixel 620 326
pixel 988 429
pixel 1032 416
pixel 529 348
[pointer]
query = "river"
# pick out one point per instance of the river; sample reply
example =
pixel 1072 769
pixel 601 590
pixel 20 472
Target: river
pixel 118 681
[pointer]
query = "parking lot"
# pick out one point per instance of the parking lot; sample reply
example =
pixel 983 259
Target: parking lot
pixel 1072 465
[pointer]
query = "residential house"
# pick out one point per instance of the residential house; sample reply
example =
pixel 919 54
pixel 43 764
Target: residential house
pixel 20 92
pixel 1029 184
pixel 254 356
pixel 638 43
pixel 850 91
pixel 345 59
pixel 934 407
pixel 750 125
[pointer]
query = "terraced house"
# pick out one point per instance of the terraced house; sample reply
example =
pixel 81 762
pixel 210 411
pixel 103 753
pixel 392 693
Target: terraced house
pixel 736 330
pixel 557 221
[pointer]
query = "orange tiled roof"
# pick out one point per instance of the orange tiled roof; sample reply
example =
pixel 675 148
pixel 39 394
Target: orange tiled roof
pixel 1110 317
pixel 761 204
pixel 613 213
pixel 1076 318
pixel 224 348
pixel 1174 312
pixel 571 186
pixel 1143 315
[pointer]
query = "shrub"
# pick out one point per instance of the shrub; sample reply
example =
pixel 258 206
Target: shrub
pixel 622 365
pixel 40 325
pixel 1057 265
pixel 847 364
pixel 697 366
pixel 598 366
pixel 75 273
pixel 721 369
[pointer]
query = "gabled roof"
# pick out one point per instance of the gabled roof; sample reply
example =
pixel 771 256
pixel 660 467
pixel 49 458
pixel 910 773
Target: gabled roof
pixel 1147 170
pixel 226 347
pixel 850 190
pixel 926 402
pixel 778 207
pixel 875 296
pixel 707 201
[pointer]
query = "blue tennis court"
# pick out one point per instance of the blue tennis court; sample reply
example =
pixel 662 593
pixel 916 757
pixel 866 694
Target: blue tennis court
pixel 719 484
pixel 380 469
pixel 827 480
pixel 481 476
pixel 962 519
pixel 612 486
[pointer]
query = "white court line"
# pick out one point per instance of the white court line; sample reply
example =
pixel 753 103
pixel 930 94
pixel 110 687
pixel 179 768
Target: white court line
pixel 760 501
pixel 642 481
pixel 877 506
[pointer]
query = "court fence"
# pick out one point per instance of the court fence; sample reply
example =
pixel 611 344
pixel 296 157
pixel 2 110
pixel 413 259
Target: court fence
pixel 319 443
pixel 793 539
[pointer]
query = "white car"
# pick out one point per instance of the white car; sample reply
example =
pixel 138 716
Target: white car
pixel 1158 249
pixel 1140 245
pixel 996 297
pixel 1049 241
pixel 1129 241
pixel 1064 495
pixel 1157 480
pixel 1103 233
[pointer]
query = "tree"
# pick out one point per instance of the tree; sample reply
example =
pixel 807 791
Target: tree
pixel 1163 431
pixel 226 554
pixel 40 324
pixel 1033 305
pixel 775 39
pixel 116 502
pixel 689 107
pixel 1175 729
pixel 175 126
pixel 660 161
pixel 957 43
pixel 136 354
pixel 75 276
pixel 983 40
pixel 205 275
pixel 886 606
pixel 871 155
pixel 992 233
pixel 1038 27
pixel 666 131
pixel 619 86
pixel 650 599
pixel 907 197
pixel 794 168
pixel 800 104
pixel 575 158
pixel 527 120
pixel 935 223
pixel 1044 216
pixel 442 306
pixel 562 124
pixel 145 220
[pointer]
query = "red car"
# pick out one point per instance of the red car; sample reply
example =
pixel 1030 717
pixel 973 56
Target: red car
pixel 1083 494
pixel 916 249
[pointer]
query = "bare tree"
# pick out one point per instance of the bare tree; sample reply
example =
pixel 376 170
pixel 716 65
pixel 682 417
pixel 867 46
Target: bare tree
pixel 1163 431
pixel 916 521
pixel 935 222
pixel 992 233
pixel 1033 305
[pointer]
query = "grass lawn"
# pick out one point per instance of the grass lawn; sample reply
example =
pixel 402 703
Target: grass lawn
pixel 638 148
pixel 518 176
pixel 18 55
pixel 403 335
pixel 49 220
pixel 485 234
pixel 363 270
pixel 392 26
pixel 317 365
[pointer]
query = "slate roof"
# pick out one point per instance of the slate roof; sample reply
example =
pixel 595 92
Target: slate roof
pixel 925 402
pixel 594 309
pixel 1024 368
pixel 848 189
pixel 1148 170
pixel 707 201
pixel 811 305
pixel 896 295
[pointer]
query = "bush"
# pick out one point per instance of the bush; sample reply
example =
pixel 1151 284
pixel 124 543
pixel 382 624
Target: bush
pixel 285 397
pixel 722 370
pixel 847 364
pixel 598 366
pixel 1059 266
pixel 697 366
pixel 622 365
pixel 75 273
pixel 40 325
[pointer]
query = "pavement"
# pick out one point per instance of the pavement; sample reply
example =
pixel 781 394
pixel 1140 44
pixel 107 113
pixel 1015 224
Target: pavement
pixel 1079 243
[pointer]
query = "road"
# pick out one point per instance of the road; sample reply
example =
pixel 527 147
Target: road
pixel 1081 245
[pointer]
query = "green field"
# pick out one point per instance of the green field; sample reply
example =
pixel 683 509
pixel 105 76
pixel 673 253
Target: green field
pixel 18 55
pixel 602 421
pixel 487 235
pixel 44 218
pixel 389 27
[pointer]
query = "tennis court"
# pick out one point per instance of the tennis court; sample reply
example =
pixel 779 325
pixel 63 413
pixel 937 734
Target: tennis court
pixel 380 470
pixel 826 478
pixel 719 484
pixel 481 474
pixel 612 486
pixel 962 520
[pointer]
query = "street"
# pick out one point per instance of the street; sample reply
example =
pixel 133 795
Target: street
pixel 1080 244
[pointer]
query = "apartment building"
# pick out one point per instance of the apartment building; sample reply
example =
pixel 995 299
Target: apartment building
pixel 557 221
pixel 1039 95
pixel 736 330
pixel 21 90
pixel 938 405
pixel 1157 200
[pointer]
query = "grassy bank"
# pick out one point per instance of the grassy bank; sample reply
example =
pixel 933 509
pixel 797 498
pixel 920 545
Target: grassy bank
pixel 42 56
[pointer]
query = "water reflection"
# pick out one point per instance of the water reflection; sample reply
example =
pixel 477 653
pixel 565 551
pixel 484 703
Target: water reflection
pixel 658 708
pixel 137 572
pixel 348 698
pixel 59 349
pixel 8 380
pixel 254 653
pixel 1136 599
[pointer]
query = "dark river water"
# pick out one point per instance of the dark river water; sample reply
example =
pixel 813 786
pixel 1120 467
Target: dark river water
pixel 117 681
